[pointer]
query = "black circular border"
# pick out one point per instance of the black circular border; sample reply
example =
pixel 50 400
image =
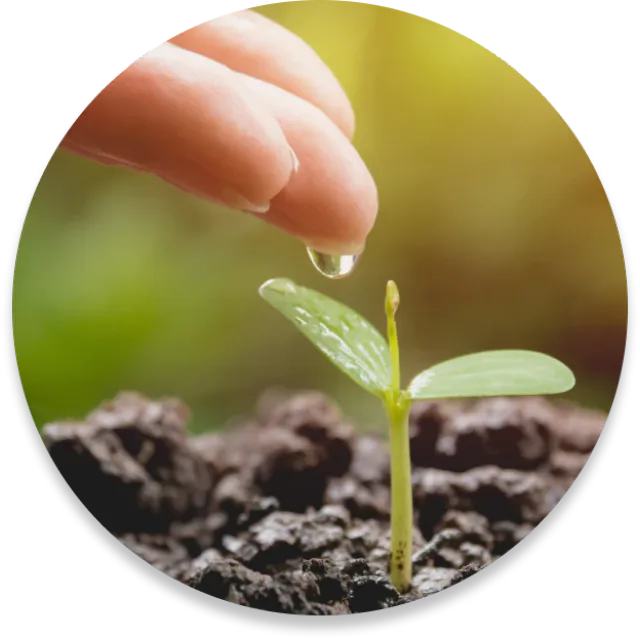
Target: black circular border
pixel 390 619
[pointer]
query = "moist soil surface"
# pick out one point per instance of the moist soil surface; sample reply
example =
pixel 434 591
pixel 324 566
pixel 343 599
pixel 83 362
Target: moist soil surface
pixel 289 511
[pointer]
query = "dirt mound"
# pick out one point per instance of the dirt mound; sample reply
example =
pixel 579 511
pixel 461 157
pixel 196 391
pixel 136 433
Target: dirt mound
pixel 289 512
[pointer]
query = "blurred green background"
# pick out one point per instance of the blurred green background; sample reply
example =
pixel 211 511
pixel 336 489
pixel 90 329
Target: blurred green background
pixel 492 221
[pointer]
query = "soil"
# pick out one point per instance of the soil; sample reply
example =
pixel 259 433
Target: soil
pixel 289 511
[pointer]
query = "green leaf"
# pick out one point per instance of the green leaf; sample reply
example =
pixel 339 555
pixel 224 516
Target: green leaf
pixel 347 339
pixel 493 373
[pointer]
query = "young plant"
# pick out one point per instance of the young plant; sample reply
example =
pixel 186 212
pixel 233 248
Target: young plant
pixel 358 349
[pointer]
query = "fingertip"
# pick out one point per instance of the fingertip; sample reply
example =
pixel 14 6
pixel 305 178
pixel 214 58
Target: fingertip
pixel 331 203
pixel 354 211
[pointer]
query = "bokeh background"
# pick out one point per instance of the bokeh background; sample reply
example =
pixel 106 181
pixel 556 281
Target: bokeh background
pixel 492 221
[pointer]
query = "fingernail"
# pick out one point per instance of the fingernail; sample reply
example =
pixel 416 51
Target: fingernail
pixel 237 201
pixel 256 208
pixel 294 161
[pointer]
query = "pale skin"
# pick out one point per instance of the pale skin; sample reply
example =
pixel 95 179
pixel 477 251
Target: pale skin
pixel 240 111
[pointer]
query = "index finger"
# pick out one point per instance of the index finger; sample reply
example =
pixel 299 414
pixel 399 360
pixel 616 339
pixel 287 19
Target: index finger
pixel 256 46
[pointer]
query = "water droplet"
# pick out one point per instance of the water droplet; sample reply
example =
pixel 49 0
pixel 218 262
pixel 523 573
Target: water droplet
pixel 332 266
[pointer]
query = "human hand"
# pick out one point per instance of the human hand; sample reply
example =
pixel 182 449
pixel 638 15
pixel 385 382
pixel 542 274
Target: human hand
pixel 226 111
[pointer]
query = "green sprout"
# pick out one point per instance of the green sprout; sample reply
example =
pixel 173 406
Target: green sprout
pixel 359 350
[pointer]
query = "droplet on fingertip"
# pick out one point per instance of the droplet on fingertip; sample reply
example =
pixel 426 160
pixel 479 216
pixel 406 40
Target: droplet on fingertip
pixel 333 266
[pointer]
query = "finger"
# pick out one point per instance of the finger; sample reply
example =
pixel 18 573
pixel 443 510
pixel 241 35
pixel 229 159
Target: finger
pixel 254 45
pixel 331 202
pixel 190 121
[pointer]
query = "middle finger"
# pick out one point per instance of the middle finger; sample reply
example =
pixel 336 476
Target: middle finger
pixel 254 45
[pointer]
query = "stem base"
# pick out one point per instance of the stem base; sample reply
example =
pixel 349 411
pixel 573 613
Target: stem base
pixel 401 495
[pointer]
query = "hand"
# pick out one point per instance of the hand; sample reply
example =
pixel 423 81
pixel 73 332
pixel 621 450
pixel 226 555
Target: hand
pixel 243 112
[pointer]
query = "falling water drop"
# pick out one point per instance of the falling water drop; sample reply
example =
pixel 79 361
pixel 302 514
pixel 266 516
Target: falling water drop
pixel 332 266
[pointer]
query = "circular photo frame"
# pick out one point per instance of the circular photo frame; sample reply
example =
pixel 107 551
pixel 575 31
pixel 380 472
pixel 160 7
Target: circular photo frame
pixel 324 368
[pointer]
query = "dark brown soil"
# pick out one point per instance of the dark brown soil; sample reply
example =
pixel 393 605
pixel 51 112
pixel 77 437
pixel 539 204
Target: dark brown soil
pixel 289 512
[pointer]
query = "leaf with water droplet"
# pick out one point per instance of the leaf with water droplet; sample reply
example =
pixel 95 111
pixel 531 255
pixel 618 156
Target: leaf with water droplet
pixel 345 337
pixel 493 373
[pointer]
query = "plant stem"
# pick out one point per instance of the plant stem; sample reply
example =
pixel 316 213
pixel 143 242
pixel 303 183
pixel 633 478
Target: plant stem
pixel 397 406
pixel 391 306
pixel 401 496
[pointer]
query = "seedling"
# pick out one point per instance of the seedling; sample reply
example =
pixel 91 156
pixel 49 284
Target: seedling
pixel 359 350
